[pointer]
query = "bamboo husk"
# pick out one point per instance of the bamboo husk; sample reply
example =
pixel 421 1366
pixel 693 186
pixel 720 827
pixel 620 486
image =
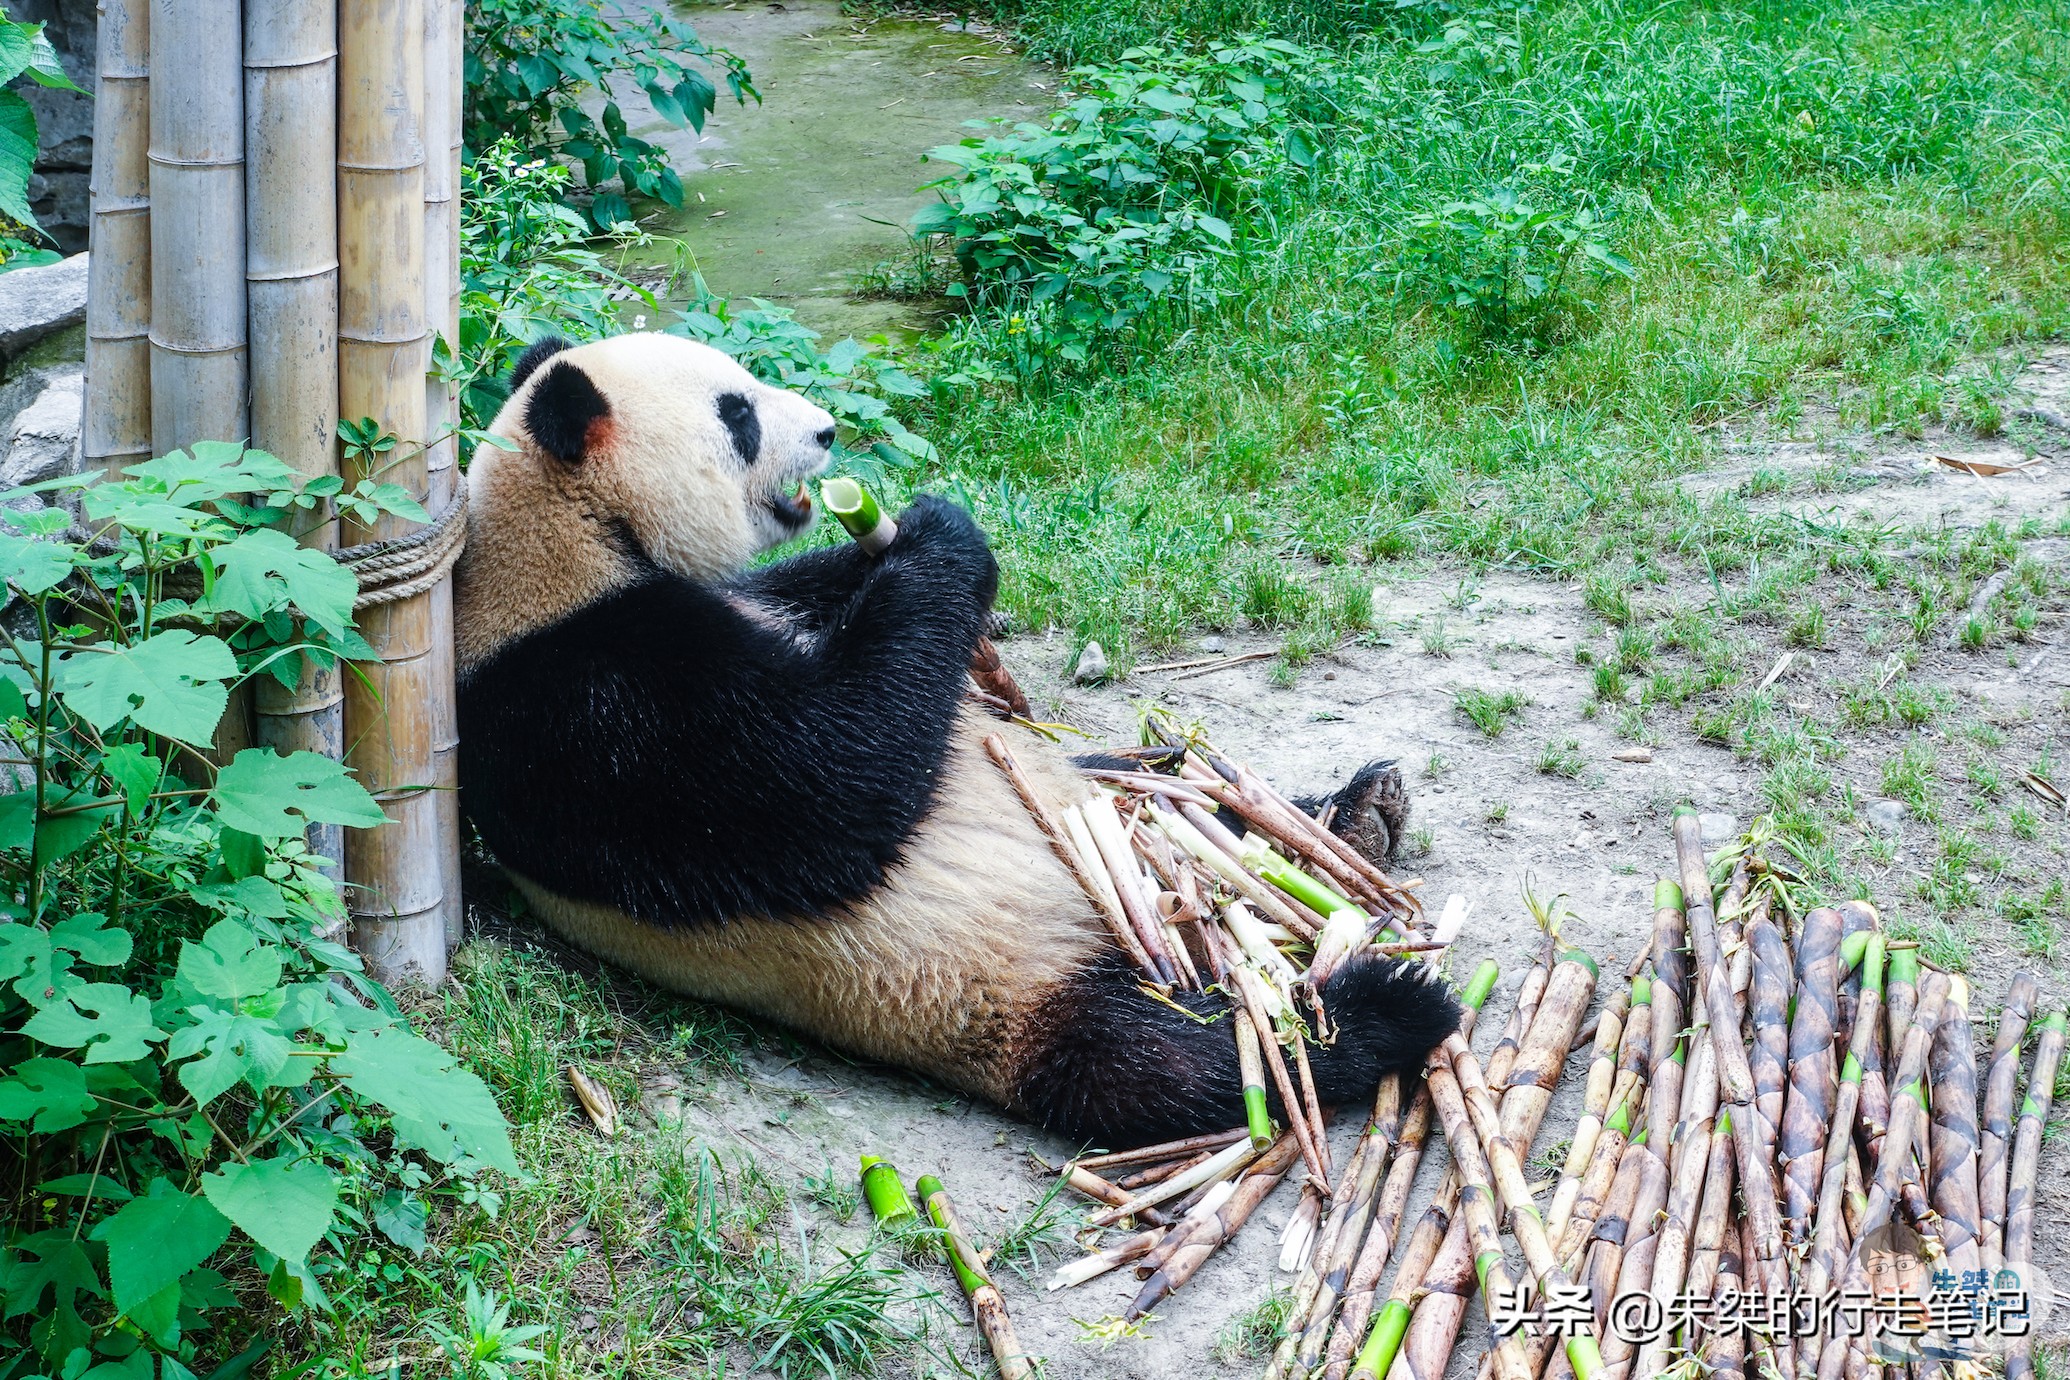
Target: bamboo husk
pixel 1832 1234
pixel 987 1307
pixel 1768 1016
pixel 1212 1199
pixel 2000 1083
pixel 1434 1225
pixel 1111 841
pixel 397 713
pixel 1344 866
pixel 1221 1165
pixel 1953 1136
pixel 2026 1159
pixel 1168 1150
pixel 291 284
pixel 1298 1235
pixel 198 232
pixel 1735 1074
pixel 1813 1073
pixel 1724 1354
pixel 1076 1272
pixel 117 429
pixel 1144 1177
pixel 1068 852
pixel 1216 1228
pixel 1182 829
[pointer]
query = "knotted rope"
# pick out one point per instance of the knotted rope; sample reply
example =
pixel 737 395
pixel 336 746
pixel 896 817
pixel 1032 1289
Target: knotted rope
pixel 404 566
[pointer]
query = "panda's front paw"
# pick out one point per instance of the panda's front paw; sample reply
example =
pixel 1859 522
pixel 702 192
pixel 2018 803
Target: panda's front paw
pixel 946 536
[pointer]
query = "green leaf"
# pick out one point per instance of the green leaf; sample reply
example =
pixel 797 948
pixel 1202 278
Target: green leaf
pixel 87 935
pixel 266 569
pixel 110 1022
pixel 401 1217
pixel 29 565
pixel 134 771
pixel 18 819
pixel 17 157
pixel 244 855
pixel 240 1049
pixel 87 1186
pixel 12 704
pixel 154 1240
pixel 279 797
pixel 50 1094
pixel 433 1103
pixel 286 1205
pixel 168 684
pixel 230 963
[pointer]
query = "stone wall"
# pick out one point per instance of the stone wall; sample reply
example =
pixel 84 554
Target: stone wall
pixel 64 121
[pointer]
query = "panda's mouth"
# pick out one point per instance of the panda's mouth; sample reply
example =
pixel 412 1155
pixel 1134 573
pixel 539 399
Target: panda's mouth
pixel 793 509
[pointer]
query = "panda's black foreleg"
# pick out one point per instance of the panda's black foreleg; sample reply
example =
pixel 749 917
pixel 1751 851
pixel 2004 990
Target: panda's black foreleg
pixel 1370 812
pixel 1112 1067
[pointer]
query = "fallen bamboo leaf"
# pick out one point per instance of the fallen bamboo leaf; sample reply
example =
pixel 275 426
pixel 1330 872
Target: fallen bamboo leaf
pixel 1782 664
pixel 2044 788
pixel 1982 469
pixel 595 1100
pixel 1633 755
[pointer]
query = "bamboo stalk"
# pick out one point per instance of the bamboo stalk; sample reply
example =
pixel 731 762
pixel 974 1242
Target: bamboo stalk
pixel 1068 852
pixel 1616 1224
pixel 1169 1150
pixel 1108 837
pixel 1829 1241
pixel 1712 1218
pixel 1813 1074
pixel 291 286
pixel 117 428
pixel 1099 883
pixel 890 1206
pixel 1768 1014
pixel 1571 1228
pixel 1299 1234
pixel 1142 1178
pixel 1252 990
pixel 987 1307
pixel 1075 1272
pixel 1217 1228
pixel 198 232
pixel 1953 1137
pixel 1596 1099
pixel 1221 1165
pixel 1670 995
pixel 1250 1059
pixel 1687 1160
pixel 1184 828
pixel 2000 1083
pixel 396 712
pixel 1364 1282
pixel 1212 1199
pixel 2026 1160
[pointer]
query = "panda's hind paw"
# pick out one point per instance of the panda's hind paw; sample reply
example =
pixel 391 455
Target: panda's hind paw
pixel 1371 813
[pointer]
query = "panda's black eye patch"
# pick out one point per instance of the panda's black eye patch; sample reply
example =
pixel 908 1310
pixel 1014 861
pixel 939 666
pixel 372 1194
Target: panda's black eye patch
pixel 738 413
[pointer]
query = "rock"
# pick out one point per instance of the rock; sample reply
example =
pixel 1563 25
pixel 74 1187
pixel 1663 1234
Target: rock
pixel 1716 830
pixel 41 301
pixel 1632 755
pixel 1212 644
pixel 1092 665
pixel 44 440
pixel 1885 816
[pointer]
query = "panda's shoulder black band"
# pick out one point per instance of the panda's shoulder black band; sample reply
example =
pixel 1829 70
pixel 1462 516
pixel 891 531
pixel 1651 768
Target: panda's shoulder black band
pixel 561 409
pixel 536 354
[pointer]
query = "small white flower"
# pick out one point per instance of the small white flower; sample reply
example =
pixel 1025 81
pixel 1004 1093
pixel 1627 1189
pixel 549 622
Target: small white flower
pixel 640 322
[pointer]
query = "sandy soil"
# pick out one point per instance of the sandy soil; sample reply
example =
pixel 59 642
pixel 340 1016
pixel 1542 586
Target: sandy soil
pixel 1496 827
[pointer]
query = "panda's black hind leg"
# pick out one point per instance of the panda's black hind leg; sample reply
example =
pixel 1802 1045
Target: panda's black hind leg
pixel 1371 812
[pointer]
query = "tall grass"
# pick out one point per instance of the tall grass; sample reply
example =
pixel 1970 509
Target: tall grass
pixel 1842 210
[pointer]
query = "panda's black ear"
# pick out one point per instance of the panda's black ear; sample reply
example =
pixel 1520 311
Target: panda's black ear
pixel 563 409
pixel 536 354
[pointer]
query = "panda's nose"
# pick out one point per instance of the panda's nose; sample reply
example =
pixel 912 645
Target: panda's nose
pixel 825 437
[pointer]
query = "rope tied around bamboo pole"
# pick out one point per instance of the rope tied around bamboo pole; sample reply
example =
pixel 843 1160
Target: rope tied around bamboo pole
pixel 400 567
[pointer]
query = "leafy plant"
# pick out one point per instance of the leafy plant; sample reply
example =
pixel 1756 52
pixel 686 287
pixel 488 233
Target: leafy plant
pixel 1129 197
pixel 24 53
pixel 1504 260
pixel 529 64
pixel 203 1088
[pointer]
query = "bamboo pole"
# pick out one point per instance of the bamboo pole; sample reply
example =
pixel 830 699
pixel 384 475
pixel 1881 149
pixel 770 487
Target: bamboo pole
pixel 1953 1138
pixel 117 429
pixel 1999 1086
pixel 987 1306
pixel 395 714
pixel 291 283
pixel 198 231
pixel 2026 1159
pixel 1813 1071
pixel 442 92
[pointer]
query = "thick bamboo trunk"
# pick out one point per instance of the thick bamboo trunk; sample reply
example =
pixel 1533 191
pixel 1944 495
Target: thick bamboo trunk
pixel 118 298
pixel 197 229
pixel 394 715
pixel 442 63
pixel 291 280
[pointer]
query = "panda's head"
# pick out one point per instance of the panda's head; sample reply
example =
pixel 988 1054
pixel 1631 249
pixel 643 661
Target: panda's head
pixel 659 440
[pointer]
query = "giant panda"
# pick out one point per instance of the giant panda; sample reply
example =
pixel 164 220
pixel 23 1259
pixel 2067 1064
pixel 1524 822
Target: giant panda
pixel 763 785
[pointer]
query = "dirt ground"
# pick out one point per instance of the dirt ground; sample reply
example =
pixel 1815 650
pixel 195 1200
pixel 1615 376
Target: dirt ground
pixel 1491 826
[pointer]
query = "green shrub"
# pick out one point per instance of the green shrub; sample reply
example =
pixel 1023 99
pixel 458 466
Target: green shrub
pixel 1128 199
pixel 529 64
pixel 205 1101
pixel 24 52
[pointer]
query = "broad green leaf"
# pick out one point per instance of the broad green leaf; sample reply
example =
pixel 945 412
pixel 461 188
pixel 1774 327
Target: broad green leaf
pixel 134 771
pixel 239 1049
pixel 17 157
pixel 88 935
pixel 51 1260
pixel 433 1103
pixel 284 1204
pixel 277 797
pixel 110 1022
pixel 12 704
pixel 18 819
pixel 59 836
pixel 230 963
pixel 169 684
pixel 135 1366
pixel 154 1240
pixel 266 569
pixel 24 950
pixel 87 1186
pixel 401 1217
pixel 29 565
pixel 49 1093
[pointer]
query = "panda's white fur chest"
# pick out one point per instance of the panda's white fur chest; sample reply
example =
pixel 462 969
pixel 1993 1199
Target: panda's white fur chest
pixel 936 970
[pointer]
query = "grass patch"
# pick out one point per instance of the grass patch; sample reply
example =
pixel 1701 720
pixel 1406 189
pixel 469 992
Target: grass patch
pixel 1489 712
